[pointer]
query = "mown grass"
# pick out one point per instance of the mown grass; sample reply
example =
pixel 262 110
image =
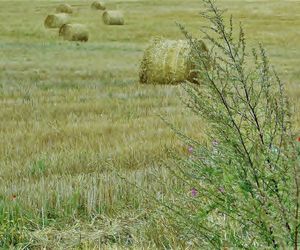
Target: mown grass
pixel 72 113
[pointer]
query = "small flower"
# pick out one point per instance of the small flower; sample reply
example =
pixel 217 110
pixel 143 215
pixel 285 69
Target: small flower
pixel 215 143
pixel 190 149
pixel 222 190
pixel 194 192
pixel 13 197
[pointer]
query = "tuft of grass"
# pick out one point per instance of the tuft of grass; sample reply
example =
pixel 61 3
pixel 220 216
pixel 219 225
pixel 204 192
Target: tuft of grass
pixel 38 168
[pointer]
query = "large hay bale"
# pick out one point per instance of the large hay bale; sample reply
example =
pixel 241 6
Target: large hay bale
pixel 56 20
pixel 113 17
pixel 98 5
pixel 168 62
pixel 64 8
pixel 74 32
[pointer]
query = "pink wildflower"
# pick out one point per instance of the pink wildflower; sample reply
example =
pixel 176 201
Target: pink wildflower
pixel 222 190
pixel 190 149
pixel 194 192
pixel 215 143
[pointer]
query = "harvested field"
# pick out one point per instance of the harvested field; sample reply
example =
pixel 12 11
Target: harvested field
pixel 73 117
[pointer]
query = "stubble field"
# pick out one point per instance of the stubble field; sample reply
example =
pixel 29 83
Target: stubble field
pixel 73 117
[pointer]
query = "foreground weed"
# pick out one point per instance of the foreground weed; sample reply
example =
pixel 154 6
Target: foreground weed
pixel 245 183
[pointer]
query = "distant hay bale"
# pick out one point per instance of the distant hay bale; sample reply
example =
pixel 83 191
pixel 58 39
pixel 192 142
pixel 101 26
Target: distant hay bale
pixel 64 8
pixel 74 32
pixel 98 5
pixel 113 17
pixel 168 62
pixel 56 20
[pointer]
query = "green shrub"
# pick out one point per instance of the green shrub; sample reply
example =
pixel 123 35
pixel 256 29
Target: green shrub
pixel 245 183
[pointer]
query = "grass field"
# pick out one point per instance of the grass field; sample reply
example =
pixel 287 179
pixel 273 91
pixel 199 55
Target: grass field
pixel 72 112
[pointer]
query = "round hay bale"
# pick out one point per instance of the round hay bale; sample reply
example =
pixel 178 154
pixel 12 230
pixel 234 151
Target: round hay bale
pixel 98 5
pixel 74 32
pixel 56 20
pixel 113 17
pixel 64 8
pixel 168 62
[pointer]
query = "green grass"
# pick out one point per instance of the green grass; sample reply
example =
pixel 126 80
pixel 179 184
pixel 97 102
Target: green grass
pixel 70 113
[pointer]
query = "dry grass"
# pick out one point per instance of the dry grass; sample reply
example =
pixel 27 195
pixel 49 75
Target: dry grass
pixel 70 113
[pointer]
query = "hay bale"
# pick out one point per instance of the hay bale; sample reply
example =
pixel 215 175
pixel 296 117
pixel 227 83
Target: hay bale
pixel 74 32
pixel 113 17
pixel 98 5
pixel 64 8
pixel 168 62
pixel 56 20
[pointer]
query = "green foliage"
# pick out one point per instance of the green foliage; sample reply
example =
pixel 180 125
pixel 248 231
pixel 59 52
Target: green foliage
pixel 38 168
pixel 247 180
pixel 13 233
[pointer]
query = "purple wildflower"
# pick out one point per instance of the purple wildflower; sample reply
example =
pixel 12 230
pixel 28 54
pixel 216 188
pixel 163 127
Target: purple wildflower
pixel 222 190
pixel 194 192
pixel 190 149
pixel 215 145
